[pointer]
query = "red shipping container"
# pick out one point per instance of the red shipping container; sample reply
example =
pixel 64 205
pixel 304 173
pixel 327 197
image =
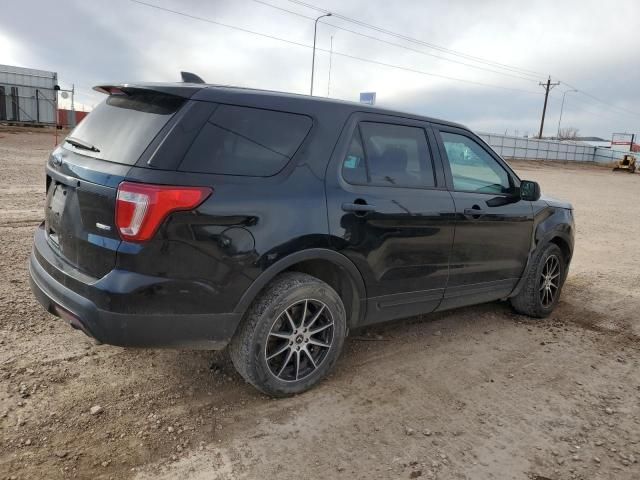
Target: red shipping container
pixel 64 117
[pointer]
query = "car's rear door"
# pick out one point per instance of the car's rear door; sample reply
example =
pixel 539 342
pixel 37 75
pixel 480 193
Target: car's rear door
pixel 391 214
pixel 493 229
pixel 83 174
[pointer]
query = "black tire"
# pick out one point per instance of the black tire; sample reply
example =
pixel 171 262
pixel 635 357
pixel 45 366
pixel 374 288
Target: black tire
pixel 291 297
pixel 534 298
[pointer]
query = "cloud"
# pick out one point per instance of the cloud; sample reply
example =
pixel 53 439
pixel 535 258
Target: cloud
pixel 581 42
pixel 10 51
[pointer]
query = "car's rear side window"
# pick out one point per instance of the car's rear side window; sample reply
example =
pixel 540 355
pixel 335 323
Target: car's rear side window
pixel 246 141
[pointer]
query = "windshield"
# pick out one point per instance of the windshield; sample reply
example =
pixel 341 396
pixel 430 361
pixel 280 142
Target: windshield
pixel 123 126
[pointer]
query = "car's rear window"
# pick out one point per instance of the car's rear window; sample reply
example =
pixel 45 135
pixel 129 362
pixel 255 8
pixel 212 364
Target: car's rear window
pixel 121 127
pixel 246 141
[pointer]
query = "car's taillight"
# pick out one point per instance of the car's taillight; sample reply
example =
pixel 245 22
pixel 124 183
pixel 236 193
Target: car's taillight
pixel 141 208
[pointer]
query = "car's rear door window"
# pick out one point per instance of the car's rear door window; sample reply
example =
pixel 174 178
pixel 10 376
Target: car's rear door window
pixel 385 154
pixel 246 141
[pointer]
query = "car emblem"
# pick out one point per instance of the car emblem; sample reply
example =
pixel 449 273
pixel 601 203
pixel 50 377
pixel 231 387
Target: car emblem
pixel 102 226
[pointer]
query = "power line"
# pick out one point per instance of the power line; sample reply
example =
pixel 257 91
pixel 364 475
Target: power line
pixel 621 109
pixel 361 58
pixel 573 106
pixel 421 42
pixel 398 45
pixel 453 52
pixel 582 110
pixel 601 109
pixel 341 54
pixel 473 82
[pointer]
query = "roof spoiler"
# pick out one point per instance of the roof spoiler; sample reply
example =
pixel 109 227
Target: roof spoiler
pixel 188 77
pixel 175 89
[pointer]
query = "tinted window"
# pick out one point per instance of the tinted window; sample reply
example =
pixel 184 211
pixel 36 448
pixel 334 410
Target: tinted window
pixel 472 168
pixel 246 141
pixel 123 126
pixel 395 156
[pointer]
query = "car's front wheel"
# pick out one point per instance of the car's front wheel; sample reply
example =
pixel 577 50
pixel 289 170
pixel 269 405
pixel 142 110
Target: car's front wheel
pixel 541 290
pixel 291 336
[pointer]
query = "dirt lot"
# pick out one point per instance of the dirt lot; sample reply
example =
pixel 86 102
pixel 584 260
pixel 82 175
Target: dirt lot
pixel 474 393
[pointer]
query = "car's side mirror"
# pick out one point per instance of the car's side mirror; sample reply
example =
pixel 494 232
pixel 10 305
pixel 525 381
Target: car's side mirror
pixel 529 190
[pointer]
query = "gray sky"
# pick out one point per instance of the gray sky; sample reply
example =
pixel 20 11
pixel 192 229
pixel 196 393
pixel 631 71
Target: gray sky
pixel 592 45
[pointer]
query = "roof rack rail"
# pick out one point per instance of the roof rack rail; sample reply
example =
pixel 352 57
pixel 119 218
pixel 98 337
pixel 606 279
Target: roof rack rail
pixel 188 77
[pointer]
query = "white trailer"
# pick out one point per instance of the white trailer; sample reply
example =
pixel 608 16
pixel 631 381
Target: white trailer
pixel 28 96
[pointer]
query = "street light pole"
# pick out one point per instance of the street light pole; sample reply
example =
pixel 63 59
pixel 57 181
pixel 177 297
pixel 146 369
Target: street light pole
pixel 561 108
pixel 73 105
pixel 313 59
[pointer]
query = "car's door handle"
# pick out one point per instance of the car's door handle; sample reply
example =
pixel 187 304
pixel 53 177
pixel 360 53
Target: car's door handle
pixel 358 207
pixel 473 211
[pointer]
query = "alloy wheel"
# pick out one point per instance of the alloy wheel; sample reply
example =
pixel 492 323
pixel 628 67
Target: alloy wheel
pixel 299 340
pixel 549 281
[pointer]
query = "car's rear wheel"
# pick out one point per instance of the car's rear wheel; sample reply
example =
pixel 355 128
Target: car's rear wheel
pixel 291 336
pixel 542 287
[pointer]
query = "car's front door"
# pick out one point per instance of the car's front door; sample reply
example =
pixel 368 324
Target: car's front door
pixel 391 213
pixel 493 231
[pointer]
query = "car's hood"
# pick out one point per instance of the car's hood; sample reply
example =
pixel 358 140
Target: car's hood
pixel 554 202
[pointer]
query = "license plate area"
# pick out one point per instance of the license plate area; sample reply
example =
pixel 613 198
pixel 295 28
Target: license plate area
pixel 58 199
pixel 58 196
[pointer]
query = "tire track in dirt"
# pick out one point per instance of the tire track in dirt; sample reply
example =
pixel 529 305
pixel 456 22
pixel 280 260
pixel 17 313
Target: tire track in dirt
pixel 474 393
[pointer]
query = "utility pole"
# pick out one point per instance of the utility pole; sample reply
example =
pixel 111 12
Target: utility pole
pixel 547 86
pixel 73 106
pixel 633 137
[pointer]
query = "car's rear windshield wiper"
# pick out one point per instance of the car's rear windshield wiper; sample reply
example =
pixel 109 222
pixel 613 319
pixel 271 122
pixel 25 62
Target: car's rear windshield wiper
pixel 80 144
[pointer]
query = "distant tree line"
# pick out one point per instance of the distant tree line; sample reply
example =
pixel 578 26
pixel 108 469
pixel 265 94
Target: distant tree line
pixel 568 133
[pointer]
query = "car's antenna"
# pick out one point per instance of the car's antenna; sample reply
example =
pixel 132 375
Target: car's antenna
pixel 188 77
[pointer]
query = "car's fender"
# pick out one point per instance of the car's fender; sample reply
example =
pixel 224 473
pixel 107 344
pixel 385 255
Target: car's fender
pixel 549 223
pixel 304 255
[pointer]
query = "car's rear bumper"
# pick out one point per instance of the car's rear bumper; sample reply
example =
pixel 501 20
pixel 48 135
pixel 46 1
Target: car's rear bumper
pixel 137 329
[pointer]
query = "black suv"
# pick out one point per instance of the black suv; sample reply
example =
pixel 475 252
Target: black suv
pixel 200 216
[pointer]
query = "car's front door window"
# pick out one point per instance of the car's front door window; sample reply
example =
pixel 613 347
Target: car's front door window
pixel 472 168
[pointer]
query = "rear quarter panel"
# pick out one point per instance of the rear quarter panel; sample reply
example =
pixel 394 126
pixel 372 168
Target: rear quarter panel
pixel 212 255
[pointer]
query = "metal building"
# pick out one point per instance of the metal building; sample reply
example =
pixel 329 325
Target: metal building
pixel 27 96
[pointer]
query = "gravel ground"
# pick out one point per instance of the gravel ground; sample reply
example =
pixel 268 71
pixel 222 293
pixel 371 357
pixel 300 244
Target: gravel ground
pixel 473 393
